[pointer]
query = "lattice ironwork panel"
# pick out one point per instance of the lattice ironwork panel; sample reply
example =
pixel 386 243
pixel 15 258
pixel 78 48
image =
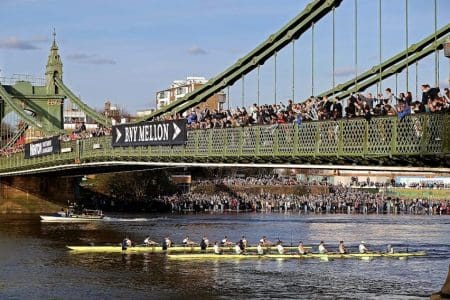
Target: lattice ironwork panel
pixel 286 139
pixel 203 142
pixel 155 150
pixel 250 140
pixel 307 137
pixel 232 141
pixel 328 137
pixel 267 139
pixel 218 141
pixel 435 130
pixel 178 150
pixel 191 142
pixel 380 136
pixel 410 134
pixel 353 136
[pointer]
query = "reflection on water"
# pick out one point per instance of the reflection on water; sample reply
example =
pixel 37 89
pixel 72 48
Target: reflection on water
pixel 36 264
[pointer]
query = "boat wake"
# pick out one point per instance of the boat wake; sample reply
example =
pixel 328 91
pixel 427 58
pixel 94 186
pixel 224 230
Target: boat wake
pixel 112 219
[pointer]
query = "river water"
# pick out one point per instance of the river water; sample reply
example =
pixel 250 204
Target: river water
pixel 34 263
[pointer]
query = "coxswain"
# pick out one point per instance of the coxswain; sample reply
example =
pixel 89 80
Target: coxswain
pixel 260 249
pixel 322 249
pixel 280 248
pixel 149 242
pixel 216 248
pixel 362 247
pixel 301 249
pixel 342 248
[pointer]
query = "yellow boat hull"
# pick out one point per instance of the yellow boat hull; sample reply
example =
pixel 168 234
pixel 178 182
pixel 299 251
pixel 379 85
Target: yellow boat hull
pixel 158 249
pixel 329 256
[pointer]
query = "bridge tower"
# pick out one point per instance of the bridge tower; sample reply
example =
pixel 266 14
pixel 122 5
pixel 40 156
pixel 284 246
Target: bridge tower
pixel 53 69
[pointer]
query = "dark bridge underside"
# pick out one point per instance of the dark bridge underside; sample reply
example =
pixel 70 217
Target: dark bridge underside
pixel 439 164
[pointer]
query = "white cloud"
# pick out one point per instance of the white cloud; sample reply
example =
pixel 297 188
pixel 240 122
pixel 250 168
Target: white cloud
pixel 18 44
pixel 195 50
pixel 91 59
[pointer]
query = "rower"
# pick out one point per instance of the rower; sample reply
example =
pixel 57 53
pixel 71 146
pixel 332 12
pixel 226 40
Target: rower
pixel 362 247
pixel 167 243
pixel 265 242
pixel 225 242
pixel 301 249
pixel 216 248
pixel 342 248
pixel 204 243
pixel 322 249
pixel 149 242
pixel 187 241
pixel 390 249
pixel 126 243
pixel 242 243
pixel 260 249
pixel 280 248
pixel 237 248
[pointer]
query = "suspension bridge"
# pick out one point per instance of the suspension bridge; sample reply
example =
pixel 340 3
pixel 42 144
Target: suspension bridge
pixel 31 110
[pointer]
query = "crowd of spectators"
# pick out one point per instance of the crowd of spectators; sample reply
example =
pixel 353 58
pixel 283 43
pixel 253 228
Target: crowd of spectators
pixel 81 132
pixel 338 200
pixel 18 147
pixel 358 105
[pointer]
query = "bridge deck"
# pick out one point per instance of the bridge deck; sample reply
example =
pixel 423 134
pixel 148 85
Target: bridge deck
pixel 417 140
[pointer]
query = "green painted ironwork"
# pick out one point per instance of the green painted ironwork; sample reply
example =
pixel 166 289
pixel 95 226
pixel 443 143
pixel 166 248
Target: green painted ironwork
pixel 103 120
pixel 313 12
pixel 394 69
pixel 421 140
pixel 403 56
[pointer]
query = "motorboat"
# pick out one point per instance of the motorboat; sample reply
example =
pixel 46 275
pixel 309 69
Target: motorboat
pixel 71 215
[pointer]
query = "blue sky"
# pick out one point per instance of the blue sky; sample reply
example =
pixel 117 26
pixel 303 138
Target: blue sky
pixel 126 51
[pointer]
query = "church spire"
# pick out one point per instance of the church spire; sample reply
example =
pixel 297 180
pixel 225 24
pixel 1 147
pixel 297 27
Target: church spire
pixel 54 67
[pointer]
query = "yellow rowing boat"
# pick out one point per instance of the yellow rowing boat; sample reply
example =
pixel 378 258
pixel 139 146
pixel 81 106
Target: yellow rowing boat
pixel 329 256
pixel 158 249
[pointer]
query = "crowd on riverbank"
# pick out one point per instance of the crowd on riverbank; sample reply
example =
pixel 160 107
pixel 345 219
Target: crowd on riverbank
pixel 338 200
pixel 275 180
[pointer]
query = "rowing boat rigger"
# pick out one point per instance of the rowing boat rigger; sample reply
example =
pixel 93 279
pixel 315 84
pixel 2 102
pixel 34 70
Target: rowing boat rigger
pixel 328 256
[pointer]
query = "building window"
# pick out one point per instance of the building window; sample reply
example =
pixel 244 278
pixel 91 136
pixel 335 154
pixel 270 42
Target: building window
pixel 180 90
pixel 162 95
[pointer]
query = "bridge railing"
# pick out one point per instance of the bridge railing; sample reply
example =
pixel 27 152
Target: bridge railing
pixel 384 140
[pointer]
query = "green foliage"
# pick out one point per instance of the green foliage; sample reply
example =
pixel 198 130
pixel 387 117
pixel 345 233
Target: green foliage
pixel 138 186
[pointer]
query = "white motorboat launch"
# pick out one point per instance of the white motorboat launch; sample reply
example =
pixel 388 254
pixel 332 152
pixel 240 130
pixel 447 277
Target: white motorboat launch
pixel 70 215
